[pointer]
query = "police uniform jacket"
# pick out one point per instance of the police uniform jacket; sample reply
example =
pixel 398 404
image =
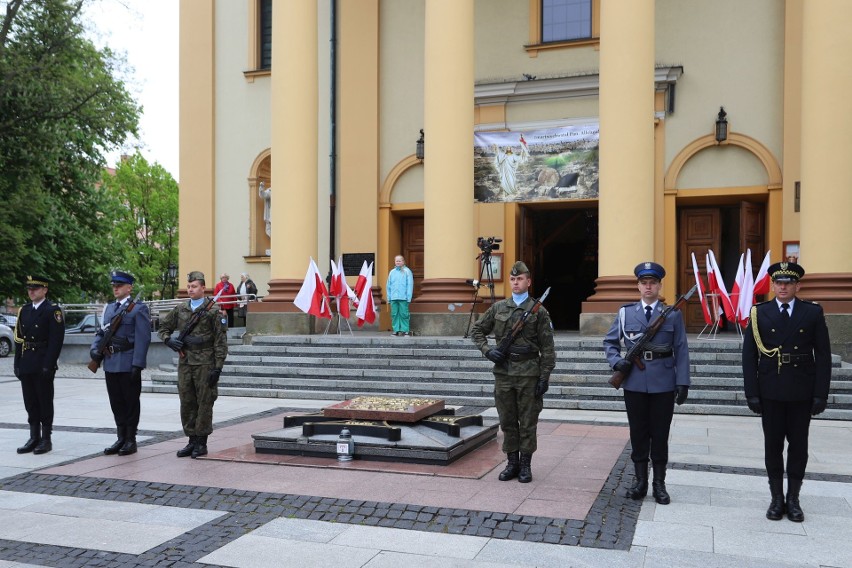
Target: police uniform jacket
pixel 533 347
pixel 129 344
pixel 660 374
pixel 208 342
pixel 39 334
pixel 803 342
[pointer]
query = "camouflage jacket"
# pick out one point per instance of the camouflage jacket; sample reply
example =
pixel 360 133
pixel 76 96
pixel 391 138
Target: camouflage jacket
pixel 210 335
pixel 537 336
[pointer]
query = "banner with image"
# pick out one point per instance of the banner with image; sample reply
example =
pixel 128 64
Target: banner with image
pixel 536 165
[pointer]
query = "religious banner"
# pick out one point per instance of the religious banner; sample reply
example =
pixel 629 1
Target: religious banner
pixel 536 165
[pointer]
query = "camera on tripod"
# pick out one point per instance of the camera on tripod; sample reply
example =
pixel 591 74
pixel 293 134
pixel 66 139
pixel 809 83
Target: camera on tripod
pixel 488 244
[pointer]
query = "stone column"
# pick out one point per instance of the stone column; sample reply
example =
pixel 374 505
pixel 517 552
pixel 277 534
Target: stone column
pixel 294 111
pixel 448 169
pixel 826 198
pixel 626 202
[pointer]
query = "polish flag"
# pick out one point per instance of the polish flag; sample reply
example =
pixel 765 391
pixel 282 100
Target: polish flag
pixel 747 293
pixel 313 296
pixel 365 273
pixel 722 290
pixel 366 309
pixel 761 281
pixel 704 308
pixel 737 290
pixel 339 288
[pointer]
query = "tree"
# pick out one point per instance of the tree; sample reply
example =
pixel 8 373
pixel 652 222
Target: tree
pixel 144 215
pixel 61 106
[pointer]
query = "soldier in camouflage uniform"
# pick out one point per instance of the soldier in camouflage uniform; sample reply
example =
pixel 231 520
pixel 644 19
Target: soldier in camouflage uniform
pixel 202 354
pixel 522 375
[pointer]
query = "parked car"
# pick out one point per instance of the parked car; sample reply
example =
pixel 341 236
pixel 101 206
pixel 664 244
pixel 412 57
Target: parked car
pixel 89 324
pixel 8 319
pixel 6 340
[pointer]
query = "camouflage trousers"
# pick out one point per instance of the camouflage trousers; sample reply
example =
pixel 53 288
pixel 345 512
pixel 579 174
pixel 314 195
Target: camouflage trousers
pixel 196 399
pixel 518 408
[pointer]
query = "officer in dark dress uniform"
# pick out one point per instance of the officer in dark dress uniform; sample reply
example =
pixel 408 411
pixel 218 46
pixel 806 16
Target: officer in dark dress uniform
pixel 123 361
pixel 787 374
pixel 521 376
pixel 39 334
pixel 650 393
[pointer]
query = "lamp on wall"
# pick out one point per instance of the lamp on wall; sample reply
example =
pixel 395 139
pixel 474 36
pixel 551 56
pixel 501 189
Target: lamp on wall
pixel 418 152
pixel 721 126
pixel 171 272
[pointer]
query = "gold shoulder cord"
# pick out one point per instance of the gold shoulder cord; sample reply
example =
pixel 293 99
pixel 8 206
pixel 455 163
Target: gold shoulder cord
pixel 760 346
pixel 15 332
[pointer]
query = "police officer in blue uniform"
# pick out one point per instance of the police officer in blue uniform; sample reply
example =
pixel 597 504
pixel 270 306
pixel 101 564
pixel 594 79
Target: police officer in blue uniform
pixel 650 393
pixel 39 335
pixel 123 361
pixel 787 375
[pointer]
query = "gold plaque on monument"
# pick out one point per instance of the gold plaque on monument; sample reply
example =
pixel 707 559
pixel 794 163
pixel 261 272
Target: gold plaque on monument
pixel 394 409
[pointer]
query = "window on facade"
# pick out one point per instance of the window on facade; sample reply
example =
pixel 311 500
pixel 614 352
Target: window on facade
pixel 566 20
pixel 265 35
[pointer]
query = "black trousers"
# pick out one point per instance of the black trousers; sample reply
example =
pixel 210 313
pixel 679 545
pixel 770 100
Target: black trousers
pixel 649 416
pixel 37 389
pixel 124 393
pixel 788 421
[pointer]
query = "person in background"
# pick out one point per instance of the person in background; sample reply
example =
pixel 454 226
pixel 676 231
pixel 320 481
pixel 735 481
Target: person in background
pixel 39 335
pixel 227 302
pixel 400 287
pixel 246 286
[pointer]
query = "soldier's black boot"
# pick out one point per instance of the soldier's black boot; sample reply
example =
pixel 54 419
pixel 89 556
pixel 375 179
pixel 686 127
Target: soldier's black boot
pixel 129 445
pixel 640 483
pixel 794 510
pixel 776 506
pixel 200 447
pixel 113 449
pixel 525 475
pixel 35 438
pixel 658 486
pixel 187 449
pixel 512 468
pixel 44 444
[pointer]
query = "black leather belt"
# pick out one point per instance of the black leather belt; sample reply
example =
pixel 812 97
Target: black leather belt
pixel 197 346
pixel 518 357
pixel 113 348
pixel 651 355
pixel 787 358
pixel 33 345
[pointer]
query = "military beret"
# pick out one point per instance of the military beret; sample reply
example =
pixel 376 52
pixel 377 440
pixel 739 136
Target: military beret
pixel 649 269
pixel 786 272
pixel 195 275
pixel 119 277
pixel 36 282
pixel 519 268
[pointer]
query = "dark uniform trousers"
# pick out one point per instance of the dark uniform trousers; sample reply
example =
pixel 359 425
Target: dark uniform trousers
pixel 37 389
pixel 124 392
pixel 650 418
pixel 518 409
pixel 196 399
pixel 790 420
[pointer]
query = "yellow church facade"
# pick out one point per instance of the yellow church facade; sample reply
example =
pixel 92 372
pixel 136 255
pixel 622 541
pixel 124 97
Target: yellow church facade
pixel 586 135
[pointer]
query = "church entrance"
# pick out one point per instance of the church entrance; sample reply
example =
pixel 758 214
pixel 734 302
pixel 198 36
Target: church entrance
pixel 559 243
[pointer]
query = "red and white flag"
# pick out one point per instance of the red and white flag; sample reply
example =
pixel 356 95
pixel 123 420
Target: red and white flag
pixel 737 290
pixel 761 281
pixel 366 310
pixel 704 308
pixel 339 288
pixel 721 289
pixel 313 296
pixel 362 281
pixel 747 293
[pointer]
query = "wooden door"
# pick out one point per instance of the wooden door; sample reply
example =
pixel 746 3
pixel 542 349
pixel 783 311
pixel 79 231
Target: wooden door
pixel 753 232
pixel 412 249
pixel 700 229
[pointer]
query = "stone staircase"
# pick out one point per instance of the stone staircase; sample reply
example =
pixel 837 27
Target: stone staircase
pixel 342 367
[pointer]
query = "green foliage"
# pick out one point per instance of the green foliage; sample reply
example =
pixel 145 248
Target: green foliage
pixel 556 162
pixel 61 107
pixel 145 219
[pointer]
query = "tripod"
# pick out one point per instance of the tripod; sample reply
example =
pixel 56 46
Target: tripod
pixel 486 274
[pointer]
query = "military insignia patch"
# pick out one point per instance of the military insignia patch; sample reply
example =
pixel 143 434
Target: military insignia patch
pixel 57 315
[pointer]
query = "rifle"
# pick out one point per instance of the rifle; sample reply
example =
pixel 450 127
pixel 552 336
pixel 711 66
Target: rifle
pixel 507 341
pixel 196 318
pixel 111 329
pixel 633 355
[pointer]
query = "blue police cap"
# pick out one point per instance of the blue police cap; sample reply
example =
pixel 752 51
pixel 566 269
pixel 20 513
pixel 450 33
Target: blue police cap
pixel 652 269
pixel 119 277
pixel 36 282
pixel 786 272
